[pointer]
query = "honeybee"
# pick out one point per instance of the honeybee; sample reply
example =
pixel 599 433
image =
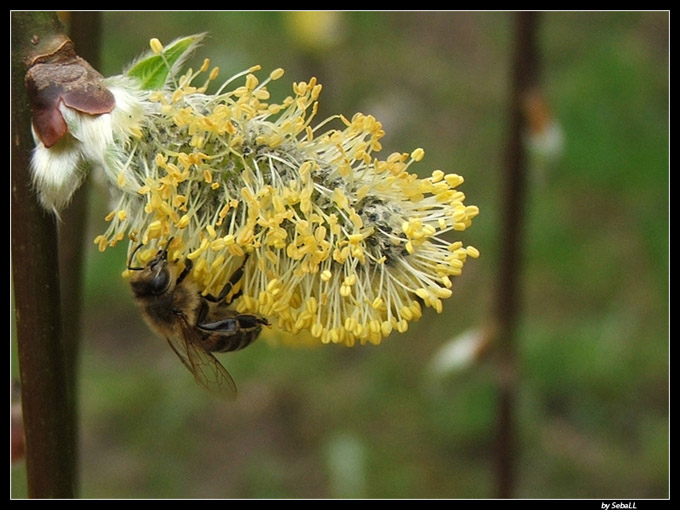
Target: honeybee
pixel 194 325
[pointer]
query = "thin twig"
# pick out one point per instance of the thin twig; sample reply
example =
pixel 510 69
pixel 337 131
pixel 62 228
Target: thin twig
pixel 524 79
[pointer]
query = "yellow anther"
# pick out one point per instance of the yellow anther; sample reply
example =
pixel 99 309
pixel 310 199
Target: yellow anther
pixel 472 252
pixel 437 176
pixel 156 46
pixel 422 293
pixel 276 73
pixel 418 154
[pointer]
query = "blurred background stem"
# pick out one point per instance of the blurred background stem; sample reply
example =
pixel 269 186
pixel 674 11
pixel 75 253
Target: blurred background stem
pixel 524 78
pixel 46 403
pixel 85 32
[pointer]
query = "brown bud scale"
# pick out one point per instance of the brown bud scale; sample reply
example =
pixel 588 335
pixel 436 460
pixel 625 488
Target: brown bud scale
pixel 64 77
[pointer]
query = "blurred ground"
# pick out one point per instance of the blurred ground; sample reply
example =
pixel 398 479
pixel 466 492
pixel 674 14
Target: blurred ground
pixel 369 421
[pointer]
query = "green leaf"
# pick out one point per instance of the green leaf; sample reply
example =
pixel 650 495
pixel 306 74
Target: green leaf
pixel 152 70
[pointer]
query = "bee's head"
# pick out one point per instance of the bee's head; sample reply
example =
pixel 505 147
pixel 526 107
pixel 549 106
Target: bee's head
pixel 154 278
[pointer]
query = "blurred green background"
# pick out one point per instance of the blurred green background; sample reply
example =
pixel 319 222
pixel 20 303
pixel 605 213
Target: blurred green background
pixel 592 405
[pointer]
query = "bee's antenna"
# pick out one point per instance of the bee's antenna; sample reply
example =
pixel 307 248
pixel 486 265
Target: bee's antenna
pixel 132 255
pixel 165 250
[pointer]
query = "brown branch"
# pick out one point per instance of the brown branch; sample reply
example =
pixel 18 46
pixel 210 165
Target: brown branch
pixel 524 78
pixel 47 412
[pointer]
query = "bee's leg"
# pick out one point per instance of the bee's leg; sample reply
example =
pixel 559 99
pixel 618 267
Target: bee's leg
pixel 202 312
pixel 235 296
pixel 235 277
pixel 188 265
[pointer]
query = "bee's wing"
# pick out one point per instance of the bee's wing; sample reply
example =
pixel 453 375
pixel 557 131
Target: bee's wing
pixel 207 370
